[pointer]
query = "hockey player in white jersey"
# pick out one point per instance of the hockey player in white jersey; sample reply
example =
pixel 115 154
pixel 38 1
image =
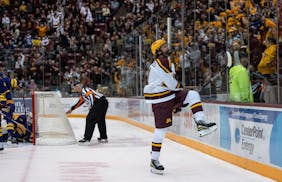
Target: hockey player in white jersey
pixel 165 94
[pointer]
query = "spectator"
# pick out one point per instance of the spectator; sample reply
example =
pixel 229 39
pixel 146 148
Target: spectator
pixel 23 7
pixel 32 86
pixel 56 21
pixel 28 40
pixel 6 21
pixel 105 10
pixel 239 81
pixel 19 65
pixel 42 29
pixel 267 67
pixel 114 4
pixel 150 6
pixel 88 16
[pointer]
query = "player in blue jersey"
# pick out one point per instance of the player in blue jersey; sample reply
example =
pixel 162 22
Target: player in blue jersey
pixel 23 128
pixel 4 92
pixel 7 107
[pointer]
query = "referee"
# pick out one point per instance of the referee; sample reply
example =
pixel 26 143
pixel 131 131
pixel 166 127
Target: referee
pixel 98 105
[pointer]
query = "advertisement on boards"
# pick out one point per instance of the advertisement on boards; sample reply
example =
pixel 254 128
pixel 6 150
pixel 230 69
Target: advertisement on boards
pixel 252 133
pixel 22 105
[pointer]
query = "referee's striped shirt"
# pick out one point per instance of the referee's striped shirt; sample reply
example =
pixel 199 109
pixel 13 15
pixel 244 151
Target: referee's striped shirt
pixel 89 96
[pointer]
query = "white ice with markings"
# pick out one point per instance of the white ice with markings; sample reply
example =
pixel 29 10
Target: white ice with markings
pixel 125 158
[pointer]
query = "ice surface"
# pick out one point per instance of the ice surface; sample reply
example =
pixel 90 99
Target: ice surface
pixel 125 158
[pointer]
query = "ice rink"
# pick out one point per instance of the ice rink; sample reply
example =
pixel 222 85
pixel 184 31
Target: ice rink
pixel 125 158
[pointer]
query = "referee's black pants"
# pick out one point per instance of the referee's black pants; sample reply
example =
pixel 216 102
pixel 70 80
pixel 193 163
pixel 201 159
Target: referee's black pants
pixel 97 115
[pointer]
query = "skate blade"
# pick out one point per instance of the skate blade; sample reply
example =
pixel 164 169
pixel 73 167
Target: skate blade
pixel 155 171
pixel 207 131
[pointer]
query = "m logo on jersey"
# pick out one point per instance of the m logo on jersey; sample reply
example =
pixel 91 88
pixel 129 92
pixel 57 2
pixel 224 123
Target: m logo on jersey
pixel 168 120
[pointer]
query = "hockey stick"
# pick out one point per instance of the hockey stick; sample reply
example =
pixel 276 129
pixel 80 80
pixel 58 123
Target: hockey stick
pixel 24 106
pixel 272 78
pixel 228 65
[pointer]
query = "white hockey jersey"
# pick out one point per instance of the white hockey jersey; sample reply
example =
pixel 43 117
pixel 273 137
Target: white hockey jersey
pixel 161 82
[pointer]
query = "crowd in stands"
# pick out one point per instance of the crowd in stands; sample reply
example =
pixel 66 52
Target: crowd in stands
pixel 50 44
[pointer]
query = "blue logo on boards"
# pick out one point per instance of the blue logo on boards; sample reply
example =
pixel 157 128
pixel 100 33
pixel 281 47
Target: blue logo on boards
pixel 237 135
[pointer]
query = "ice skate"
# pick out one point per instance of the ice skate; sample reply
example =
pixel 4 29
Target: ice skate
pixel 156 167
pixel 84 142
pixel 205 128
pixel 1 146
pixel 102 140
pixel 12 142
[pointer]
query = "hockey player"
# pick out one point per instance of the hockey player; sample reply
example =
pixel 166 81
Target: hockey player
pixel 98 106
pixel 8 111
pixel 165 94
pixel 7 105
pixel 3 94
pixel 23 128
